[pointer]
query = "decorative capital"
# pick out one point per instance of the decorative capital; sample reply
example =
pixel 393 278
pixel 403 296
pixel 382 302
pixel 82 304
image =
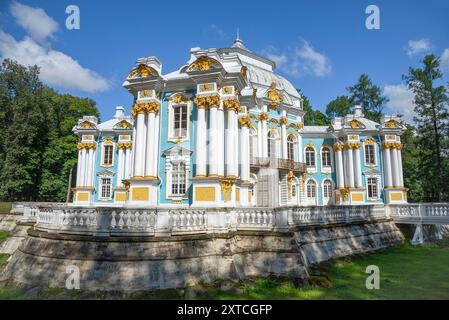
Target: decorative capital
pixel 209 101
pixel 353 145
pixel 338 147
pixel 232 104
pixel 345 193
pixel 263 116
pixel 392 145
pixel 245 121
pixel 283 121
pixel 86 145
pixel 179 98
pixel 124 145
pixel 147 107
pixel 226 188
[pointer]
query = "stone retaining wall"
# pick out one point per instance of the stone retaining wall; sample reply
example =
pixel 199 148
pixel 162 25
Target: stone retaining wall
pixel 149 263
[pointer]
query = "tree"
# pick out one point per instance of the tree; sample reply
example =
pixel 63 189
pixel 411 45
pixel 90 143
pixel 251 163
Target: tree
pixel 339 107
pixel 37 146
pixel 431 106
pixel 369 96
pixel 312 117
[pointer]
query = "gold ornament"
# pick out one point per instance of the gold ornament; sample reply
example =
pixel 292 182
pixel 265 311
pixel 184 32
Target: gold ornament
pixel 392 124
pixel 124 145
pixel 226 188
pixel 353 145
pixel 245 121
pixel 86 145
pixel 203 63
pixel 209 101
pixel 355 124
pixel 338 147
pixel 290 177
pixel 263 116
pixel 273 94
pixel 232 104
pixel 142 71
pixel 179 98
pixel 283 121
pixel 147 107
pixel 345 193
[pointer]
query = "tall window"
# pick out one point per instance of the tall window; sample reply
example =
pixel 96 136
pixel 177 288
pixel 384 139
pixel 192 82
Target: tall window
pixel 310 157
pixel 327 189
pixel 108 155
pixel 370 156
pixel 293 190
pixel 311 189
pixel 326 157
pixel 291 147
pixel 178 179
pixel 373 192
pixel 105 188
pixel 180 121
pixel 272 144
pixel 252 143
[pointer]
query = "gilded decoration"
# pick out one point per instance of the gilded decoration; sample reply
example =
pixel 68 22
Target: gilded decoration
pixel 273 120
pixel 142 71
pixel 226 188
pixel 206 87
pixel 243 71
pixel 283 121
pixel 392 145
pixel 145 93
pixel 338 147
pixel 273 94
pixel 345 193
pixel 310 144
pixel 245 121
pixel 353 145
pixel 355 124
pixel 124 145
pixel 263 116
pixel 205 102
pixel 232 104
pixel 204 64
pixel 147 107
pixel 369 141
pixel 86 145
pixel 179 98
pixel 86 125
pixel 227 90
pixel 254 93
pixel 290 177
pixel 123 124
pixel 392 124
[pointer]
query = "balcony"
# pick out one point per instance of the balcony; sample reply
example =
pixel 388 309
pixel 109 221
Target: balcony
pixel 276 163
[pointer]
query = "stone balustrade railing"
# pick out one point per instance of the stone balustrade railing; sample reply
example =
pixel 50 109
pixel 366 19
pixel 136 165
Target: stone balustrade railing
pixel 430 213
pixel 110 221
pixel 29 210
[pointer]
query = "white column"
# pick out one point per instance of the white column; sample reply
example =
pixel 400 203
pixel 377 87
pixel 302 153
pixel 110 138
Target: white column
pixel 401 174
pixel 259 140
pixel 357 168
pixel 92 166
pixel 213 141
pixel 284 152
pixel 264 136
pixel 156 145
pixel 127 163
pixel 395 167
pixel 150 141
pixel 350 168
pixel 231 142
pixel 120 166
pixel 83 168
pixel 387 168
pixel 244 153
pixel 221 142
pixel 139 147
pixel 340 170
pixel 78 169
pixel 201 142
pixel 299 150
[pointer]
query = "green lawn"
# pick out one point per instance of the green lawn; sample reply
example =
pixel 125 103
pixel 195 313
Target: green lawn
pixel 5 207
pixel 406 272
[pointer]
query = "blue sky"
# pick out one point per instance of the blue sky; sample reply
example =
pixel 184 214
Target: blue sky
pixel 320 46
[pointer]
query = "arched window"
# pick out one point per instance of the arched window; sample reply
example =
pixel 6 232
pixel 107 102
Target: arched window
pixel 326 157
pixel 370 155
pixel 291 147
pixel 272 137
pixel 311 189
pixel 310 157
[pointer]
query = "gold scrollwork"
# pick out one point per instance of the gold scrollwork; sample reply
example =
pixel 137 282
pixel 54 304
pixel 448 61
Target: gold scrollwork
pixel 147 107
pixel 86 145
pixel 283 121
pixel 205 102
pixel 179 98
pixel 226 188
pixel 245 121
pixel 392 124
pixel 338 147
pixel 263 116
pixel 124 145
pixel 142 71
pixel 204 63
pixel 345 193
pixel 355 124
pixel 290 177
pixel 232 104
pixel 353 145
pixel 392 145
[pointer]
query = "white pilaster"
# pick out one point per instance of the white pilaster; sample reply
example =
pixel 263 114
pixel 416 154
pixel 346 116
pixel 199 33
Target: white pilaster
pixel 231 142
pixel 387 168
pixel 127 163
pixel 340 170
pixel 350 168
pixel 78 169
pixel 120 166
pixel 221 141
pixel 83 168
pixel 213 141
pixel 395 167
pixel 150 145
pixel 201 143
pixel 357 168
pixel 139 147
pixel 284 136
pixel 401 174
pixel 156 140
pixel 244 153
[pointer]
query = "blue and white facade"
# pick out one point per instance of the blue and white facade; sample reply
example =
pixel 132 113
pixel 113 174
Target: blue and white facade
pixel 225 130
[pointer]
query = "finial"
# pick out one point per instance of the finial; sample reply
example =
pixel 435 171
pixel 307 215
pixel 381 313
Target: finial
pixel 238 33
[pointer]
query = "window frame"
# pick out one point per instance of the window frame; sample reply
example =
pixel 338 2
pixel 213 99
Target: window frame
pixel 274 140
pixel 102 185
pixel 175 171
pixel 107 143
pixel 325 183
pixel 374 145
pixel 171 136
pixel 377 185
pixel 310 167
pixel 326 168
pixel 291 144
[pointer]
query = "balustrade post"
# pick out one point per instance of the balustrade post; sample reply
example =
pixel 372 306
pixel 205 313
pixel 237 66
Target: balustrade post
pixel 281 220
pixel 348 217
pixel 103 217
pixel 163 227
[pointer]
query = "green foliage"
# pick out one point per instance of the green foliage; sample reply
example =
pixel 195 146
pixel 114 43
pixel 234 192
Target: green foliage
pixel 37 147
pixel 312 117
pixel 432 128
pixel 339 107
pixel 369 96
pixel 5 207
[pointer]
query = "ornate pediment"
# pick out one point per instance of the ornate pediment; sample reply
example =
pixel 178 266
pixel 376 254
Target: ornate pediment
pixel 86 125
pixel 177 150
pixel 142 71
pixel 393 124
pixel 105 173
pixel 274 94
pixel 355 124
pixel 204 63
pixel 123 125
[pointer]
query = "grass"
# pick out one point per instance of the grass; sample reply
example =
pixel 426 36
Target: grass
pixel 3 235
pixel 5 207
pixel 406 272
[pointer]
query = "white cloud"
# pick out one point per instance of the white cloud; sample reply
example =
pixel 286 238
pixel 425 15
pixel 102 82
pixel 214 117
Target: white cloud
pixel 300 60
pixel 34 20
pixel 400 101
pixel 57 68
pixel 445 60
pixel 418 46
